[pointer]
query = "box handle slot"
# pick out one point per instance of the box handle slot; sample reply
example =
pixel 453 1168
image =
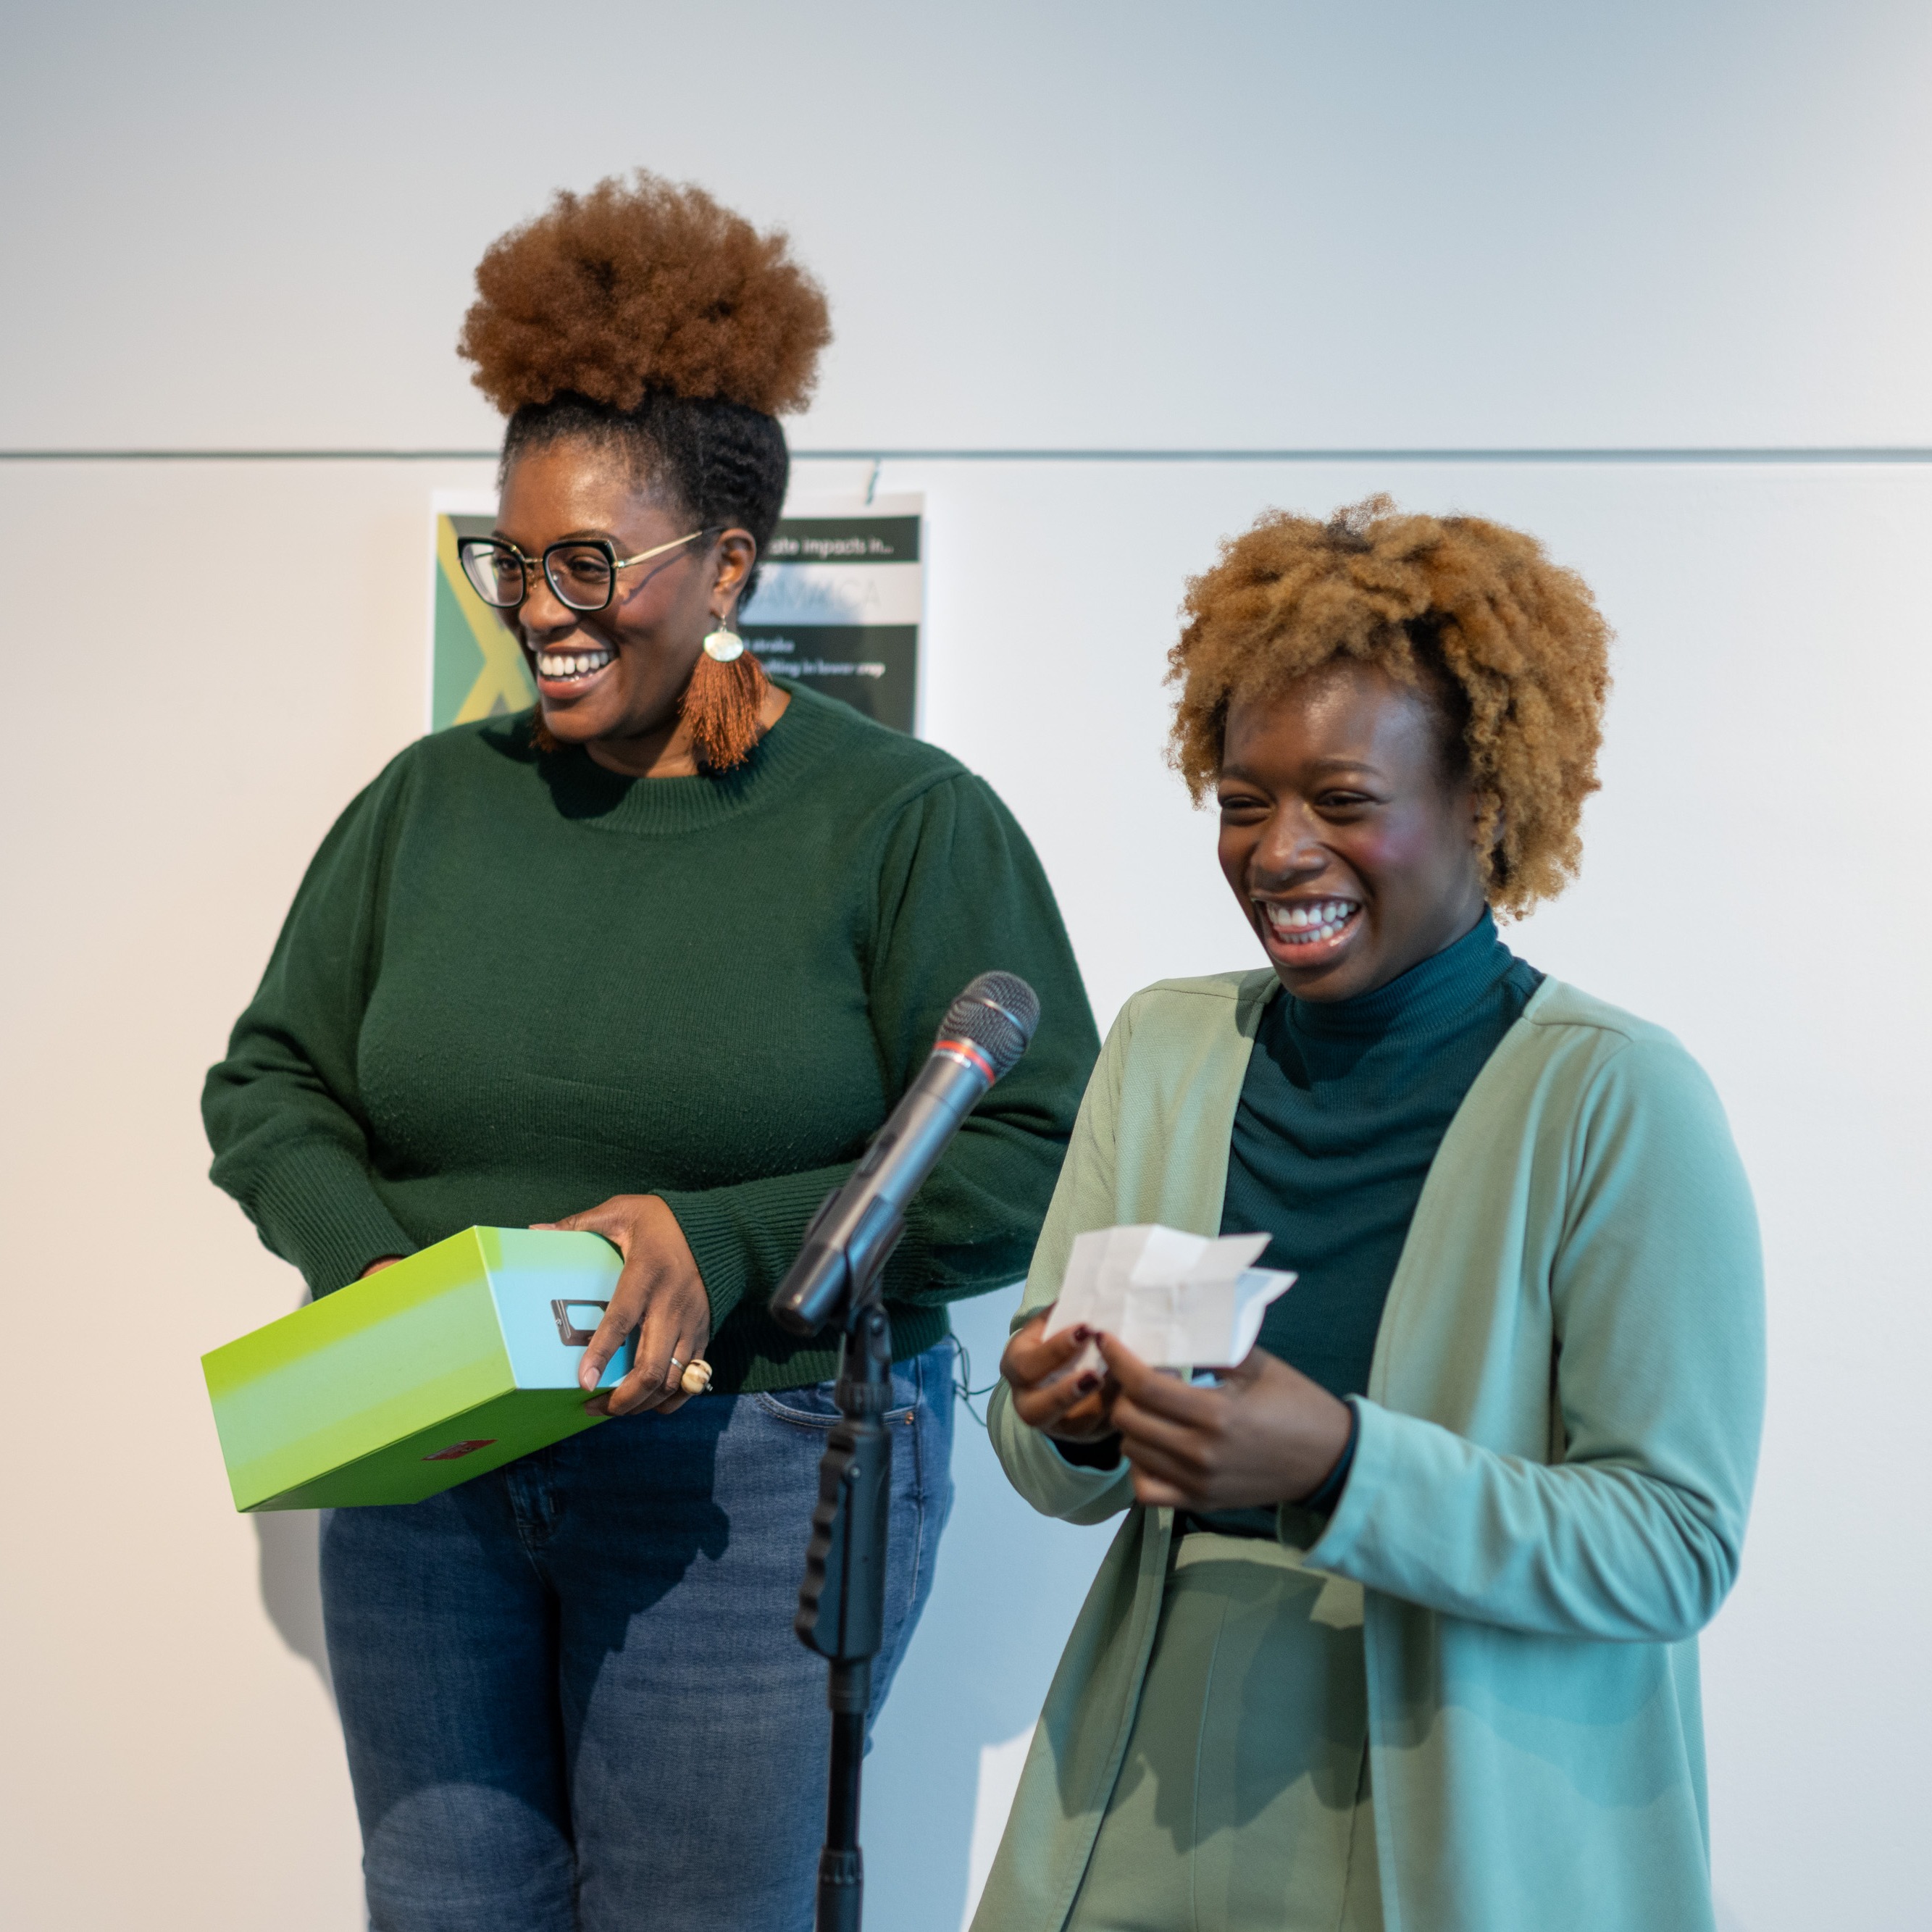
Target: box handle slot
pixel 574 1337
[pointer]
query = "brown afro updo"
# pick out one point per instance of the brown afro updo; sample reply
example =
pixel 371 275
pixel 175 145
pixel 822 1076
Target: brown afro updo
pixel 1509 647
pixel 650 286
pixel 646 323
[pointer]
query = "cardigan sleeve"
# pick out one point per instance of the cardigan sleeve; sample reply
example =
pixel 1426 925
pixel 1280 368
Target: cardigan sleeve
pixel 283 1111
pixel 1634 1532
pixel 1084 1199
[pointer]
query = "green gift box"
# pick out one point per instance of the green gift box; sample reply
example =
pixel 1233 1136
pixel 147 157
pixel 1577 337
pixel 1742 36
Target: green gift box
pixel 455 1361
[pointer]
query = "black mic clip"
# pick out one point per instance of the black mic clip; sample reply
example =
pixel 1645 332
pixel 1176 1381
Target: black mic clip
pixel 844 1274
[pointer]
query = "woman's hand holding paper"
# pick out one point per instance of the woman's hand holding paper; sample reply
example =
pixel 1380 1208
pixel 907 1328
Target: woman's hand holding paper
pixel 1267 1435
pixel 1053 1391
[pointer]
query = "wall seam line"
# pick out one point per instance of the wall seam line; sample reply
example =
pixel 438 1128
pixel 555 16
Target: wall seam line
pixel 1847 453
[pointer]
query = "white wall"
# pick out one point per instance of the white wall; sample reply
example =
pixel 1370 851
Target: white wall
pixel 1050 227
pixel 1241 222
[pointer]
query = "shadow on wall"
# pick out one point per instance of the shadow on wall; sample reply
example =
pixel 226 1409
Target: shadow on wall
pixel 290 1545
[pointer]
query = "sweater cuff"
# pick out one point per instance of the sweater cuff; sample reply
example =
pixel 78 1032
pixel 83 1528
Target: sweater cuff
pixel 315 1206
pixel 744 1237
pixel 1077 1487
pixel 724 1226
pixel 1321 1501
pixel 1355 1506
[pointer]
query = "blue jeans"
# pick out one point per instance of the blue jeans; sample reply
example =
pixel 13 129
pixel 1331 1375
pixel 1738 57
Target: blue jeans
pixel 571 1693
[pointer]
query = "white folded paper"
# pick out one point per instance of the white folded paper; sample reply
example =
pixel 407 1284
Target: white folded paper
pixel 1177 1300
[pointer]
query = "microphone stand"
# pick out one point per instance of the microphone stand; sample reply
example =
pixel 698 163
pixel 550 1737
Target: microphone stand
pixel 841 1604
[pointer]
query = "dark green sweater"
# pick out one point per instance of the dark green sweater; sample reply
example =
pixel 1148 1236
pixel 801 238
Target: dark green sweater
pixel 513 985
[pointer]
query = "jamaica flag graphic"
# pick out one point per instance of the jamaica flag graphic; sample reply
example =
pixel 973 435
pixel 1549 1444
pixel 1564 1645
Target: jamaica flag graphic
pixel 476 667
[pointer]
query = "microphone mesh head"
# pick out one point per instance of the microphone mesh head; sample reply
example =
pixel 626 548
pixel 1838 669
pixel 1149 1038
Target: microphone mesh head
pixel 998 1012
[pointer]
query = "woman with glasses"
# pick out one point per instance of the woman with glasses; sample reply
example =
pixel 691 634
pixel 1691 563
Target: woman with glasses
pixel 653 960
pixel 1400 1630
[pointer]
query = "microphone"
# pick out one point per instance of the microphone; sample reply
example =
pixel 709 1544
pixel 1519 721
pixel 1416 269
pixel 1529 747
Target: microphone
pixel 985 1030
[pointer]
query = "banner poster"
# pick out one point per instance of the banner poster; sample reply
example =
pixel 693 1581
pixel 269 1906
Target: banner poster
pixel 839 605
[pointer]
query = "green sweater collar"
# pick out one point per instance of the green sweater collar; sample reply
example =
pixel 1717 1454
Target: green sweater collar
pixel 584 790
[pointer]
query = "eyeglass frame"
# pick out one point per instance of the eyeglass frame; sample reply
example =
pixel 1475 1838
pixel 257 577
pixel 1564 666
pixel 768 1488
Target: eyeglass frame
pixel 541 563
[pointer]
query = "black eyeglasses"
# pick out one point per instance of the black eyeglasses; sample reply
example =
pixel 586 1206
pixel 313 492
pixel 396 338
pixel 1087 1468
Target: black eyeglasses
pixel 582 571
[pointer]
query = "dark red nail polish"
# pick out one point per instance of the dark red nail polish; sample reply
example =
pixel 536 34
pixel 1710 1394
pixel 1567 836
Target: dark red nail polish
pixel 1083 1333
pixel 1089 1382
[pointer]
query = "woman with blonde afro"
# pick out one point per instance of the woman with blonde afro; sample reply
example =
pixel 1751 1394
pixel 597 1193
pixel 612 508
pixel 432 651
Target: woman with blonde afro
pixel 1400 1630
pixel 654 959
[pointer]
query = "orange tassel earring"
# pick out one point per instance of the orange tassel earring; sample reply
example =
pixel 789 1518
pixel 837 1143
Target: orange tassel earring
pixel 723 702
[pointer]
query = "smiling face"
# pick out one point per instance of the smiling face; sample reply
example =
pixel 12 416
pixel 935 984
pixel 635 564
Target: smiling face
pixel 1347 838
pixel 611 680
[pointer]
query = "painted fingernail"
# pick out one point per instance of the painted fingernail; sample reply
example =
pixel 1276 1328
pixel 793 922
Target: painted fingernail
pixel 1083 1333
pixel 1088 1383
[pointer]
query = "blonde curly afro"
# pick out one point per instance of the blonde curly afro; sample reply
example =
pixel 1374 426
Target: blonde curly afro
pixel 1512 647
pixel 644 286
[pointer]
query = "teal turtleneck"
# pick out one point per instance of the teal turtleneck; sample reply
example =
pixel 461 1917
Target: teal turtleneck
pixel 1344 1106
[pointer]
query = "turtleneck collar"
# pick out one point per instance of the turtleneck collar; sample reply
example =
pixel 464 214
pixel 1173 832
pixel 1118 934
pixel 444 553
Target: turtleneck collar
pixel 1426 996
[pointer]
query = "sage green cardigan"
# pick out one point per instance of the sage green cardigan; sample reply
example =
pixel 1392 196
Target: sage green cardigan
pixel 1548 1497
